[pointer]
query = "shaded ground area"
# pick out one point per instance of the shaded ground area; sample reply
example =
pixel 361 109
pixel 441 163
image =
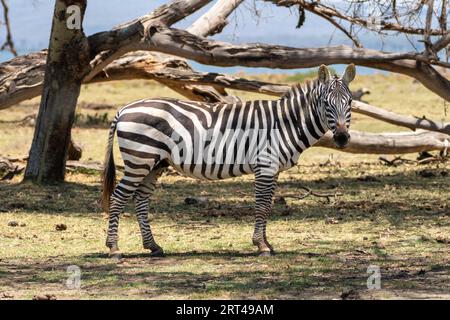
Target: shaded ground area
pixel 396 219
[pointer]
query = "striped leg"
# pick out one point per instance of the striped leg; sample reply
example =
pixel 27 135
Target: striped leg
pixel 142 200
pixel 122 193
pixel 264 190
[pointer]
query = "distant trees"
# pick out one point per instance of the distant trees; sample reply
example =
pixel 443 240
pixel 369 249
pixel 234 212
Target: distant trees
pixel 150 48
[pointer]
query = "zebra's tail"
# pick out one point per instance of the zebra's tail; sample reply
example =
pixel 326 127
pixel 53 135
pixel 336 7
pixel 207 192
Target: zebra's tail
pixel 109 168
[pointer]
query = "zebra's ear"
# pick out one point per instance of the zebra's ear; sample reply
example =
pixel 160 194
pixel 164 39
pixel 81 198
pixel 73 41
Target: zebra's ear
pixel 324 73
pixel 349 74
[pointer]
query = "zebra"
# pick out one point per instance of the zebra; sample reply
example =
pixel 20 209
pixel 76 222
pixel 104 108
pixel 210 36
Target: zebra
pixel 150 133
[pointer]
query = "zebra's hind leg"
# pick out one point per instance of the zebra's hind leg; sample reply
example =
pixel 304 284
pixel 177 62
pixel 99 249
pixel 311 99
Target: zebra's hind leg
pixel 265 185
pixel 142 200
pixel 122 193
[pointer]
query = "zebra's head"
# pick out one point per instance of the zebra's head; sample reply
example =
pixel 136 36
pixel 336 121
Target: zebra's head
pixel 335 103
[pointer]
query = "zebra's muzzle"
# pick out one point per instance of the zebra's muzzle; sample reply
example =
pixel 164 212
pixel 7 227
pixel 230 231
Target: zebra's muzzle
pixel 341 138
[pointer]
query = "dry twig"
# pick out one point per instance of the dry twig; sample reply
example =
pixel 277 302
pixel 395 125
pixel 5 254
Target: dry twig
pixel 8 44
pixel 309 192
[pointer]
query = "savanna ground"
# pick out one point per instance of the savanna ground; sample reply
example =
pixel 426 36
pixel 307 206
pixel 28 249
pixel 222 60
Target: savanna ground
pixel 393 217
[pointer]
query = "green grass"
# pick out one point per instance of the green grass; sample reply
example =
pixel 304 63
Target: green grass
pixel 400 221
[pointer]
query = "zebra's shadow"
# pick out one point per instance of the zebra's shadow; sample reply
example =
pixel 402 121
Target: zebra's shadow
pixel 190 254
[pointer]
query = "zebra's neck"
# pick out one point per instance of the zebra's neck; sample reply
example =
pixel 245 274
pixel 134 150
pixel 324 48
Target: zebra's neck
pixel 304 101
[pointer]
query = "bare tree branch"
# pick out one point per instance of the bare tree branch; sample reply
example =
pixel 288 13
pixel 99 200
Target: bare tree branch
pixel 183 44
pixel 8 44
pixel 340 27
pixel 103 45
pixel 427 31
pixel 215 19
pixel 210 23
pixel 400 120
pixel 442 43
pixel 319 8
pixel 22 77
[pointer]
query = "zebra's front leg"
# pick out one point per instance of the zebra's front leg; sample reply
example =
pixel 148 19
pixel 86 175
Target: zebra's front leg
pixel 265 185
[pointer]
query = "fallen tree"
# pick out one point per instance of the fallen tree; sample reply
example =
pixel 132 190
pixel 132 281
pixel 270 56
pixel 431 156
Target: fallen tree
pixel 400 120
pixel 391 143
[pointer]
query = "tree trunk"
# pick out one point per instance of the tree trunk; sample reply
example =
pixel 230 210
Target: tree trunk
pixel 67 65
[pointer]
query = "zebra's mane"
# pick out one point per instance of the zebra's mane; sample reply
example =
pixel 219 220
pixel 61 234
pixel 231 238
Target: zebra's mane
pixel 301 87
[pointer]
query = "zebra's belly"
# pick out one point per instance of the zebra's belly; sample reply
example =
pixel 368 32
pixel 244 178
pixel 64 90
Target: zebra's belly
pixel 212 171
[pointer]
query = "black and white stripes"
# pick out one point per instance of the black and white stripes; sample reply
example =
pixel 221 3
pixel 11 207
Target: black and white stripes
pixel 218 141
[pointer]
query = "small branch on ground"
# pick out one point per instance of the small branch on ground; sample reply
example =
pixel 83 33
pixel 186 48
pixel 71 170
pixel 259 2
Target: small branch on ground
pixel 424 158
pixel 434 159
pixel 309 192
pixel 358 94
pixel 8 169
pixel 95 166
pixel 27 120
pixel 396 161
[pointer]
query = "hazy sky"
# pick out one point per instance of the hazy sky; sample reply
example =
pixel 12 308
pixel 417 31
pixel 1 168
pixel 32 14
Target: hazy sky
pixel 31 22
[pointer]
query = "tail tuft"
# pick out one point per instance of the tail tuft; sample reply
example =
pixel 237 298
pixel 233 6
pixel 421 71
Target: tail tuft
pixel 109 169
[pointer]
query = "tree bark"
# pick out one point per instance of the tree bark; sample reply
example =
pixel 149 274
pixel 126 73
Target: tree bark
pixel 213 21
pixel 74 151
pixel 210 23
pixel 22 78
pixel 410 122
pixel 67 65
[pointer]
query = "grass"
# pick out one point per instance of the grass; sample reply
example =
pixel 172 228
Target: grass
pixel 397 219
pixel 209 252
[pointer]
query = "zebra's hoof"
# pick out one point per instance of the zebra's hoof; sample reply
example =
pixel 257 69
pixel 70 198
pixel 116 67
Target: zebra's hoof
pixel 115 255
pixel 157 253
pixel 266 253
